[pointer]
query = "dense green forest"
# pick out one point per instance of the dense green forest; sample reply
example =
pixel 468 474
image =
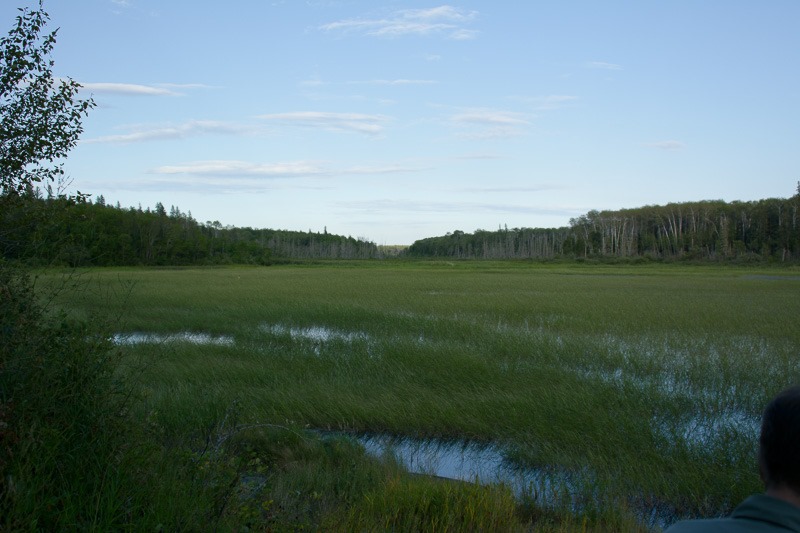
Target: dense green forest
pixel 707 230
pixel 92 233
pixel 86 233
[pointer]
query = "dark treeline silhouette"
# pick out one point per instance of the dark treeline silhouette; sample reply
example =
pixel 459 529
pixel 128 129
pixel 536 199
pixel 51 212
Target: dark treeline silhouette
pixel 86 233
pixel 707 230
pixel 527 243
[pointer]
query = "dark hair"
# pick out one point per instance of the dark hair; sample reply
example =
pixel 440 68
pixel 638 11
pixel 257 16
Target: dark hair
pixel 779 445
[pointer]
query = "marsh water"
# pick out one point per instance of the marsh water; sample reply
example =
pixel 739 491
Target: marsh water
pixel 468 461
pixel 126 339
pixel 694 430
pixel 488 463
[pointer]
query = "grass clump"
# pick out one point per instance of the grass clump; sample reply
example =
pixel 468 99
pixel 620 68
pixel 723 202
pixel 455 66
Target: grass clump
pixel 291 480
pixel 64 430
pixel 428 504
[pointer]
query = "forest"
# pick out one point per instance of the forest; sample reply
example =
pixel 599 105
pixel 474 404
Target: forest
pixel 83 232
pixel 713 230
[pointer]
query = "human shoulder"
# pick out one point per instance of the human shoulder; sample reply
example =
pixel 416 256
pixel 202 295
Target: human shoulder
pixel 711 525
pixel 759 513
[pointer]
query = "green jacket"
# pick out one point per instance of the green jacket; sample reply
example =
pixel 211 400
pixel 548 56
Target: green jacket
pixel 755 514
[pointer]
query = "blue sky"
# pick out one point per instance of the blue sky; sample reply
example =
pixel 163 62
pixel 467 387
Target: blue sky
pixel 400 120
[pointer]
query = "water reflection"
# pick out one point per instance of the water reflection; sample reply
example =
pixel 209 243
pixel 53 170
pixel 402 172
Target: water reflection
pixel 314 333
pixel 486 464
pixel 472 462
pixel 701 432
pixel 128 339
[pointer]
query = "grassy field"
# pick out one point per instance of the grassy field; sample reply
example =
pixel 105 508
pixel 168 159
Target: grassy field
pixel 638 388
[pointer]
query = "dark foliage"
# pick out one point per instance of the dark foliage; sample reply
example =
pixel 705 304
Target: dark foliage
pixel 83 233
pixel 709 230
pixel 40 118
pixel 63 431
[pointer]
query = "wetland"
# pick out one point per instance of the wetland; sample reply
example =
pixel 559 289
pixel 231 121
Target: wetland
pixel 602 393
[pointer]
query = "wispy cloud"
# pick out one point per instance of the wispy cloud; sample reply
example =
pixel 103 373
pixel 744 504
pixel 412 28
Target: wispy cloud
pixel 222 168
pixel 666 145
pixel 189 129
pixel 355 122
pixel 489 117
pixel 224 177
pixel 234 168
pixel 413 206
pixel 444 20
pixel 603 65
pixel 439 13
pixel 368 170
pixel 136 89
pixel 127 89
pixel 484 124
pixel 463 35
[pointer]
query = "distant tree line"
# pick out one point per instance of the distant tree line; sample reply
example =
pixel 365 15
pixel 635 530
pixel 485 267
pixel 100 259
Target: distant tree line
pixel 517 243
pixel 87 233
pixel 707 230
pixel 92 233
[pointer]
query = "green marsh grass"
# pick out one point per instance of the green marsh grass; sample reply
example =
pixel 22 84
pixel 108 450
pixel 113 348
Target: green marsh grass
pixel 643 382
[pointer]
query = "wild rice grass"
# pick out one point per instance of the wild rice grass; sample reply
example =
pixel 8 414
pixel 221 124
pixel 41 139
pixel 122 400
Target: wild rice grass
pixel 643 382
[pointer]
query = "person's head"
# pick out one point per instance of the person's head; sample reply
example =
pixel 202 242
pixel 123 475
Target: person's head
pixel 779 445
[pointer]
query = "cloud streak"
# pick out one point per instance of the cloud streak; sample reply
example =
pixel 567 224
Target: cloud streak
pixel 240 177
pixel 128 89
pixel 354 122
pixel 181 131
pixel 412 206
pixel 484 124
pixel 138 89
pixel 447 21
pixel 602 65
pixel 547 103
pixel 223 168
pixel 667 145
pixel 235 168
pixel 489 117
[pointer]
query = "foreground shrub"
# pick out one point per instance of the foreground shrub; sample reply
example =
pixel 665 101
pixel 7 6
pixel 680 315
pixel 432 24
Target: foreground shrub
pixel 63 422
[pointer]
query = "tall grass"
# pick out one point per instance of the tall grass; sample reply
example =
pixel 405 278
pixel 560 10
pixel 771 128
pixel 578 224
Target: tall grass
pixel 642 383
pixel 63 419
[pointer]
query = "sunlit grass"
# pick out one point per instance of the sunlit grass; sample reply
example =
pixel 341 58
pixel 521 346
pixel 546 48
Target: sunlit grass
pixel 646 382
